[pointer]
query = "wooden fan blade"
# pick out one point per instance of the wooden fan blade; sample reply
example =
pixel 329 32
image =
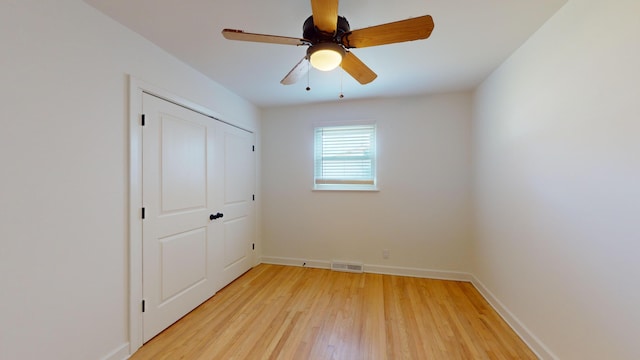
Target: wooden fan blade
pixel 395 32
pixel 232 34
pixel 356 68
pixel 297 73
pixel 325 15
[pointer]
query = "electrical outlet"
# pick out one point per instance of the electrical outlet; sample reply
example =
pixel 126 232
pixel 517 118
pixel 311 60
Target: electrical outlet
pixel 385 253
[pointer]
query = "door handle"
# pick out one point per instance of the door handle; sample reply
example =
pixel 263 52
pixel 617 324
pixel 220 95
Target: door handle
pixel 213 217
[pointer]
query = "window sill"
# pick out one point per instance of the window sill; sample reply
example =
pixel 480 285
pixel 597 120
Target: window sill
pixel 345 188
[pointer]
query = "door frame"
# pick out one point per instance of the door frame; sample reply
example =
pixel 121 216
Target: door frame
pixel 137 88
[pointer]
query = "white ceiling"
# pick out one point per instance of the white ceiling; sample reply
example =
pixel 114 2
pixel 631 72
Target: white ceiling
pixel 470 39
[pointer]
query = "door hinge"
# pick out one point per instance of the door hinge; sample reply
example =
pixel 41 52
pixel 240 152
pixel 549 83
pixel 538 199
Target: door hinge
pixel 142 213
pixel 253 246
pixel 142 120
pixel 143 304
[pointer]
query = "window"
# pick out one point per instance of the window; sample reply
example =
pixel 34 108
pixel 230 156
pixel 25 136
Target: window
pixel 345 157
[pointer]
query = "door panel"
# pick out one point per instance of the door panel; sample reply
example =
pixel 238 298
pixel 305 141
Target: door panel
pixel 184 178
pixel 235 235
pixel 179 240
pixel 239 177
pixel 237 166
pixel 184 262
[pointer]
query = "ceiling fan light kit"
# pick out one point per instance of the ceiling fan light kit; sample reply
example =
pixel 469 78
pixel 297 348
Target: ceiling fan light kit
pixel 329 38
pixel 325 56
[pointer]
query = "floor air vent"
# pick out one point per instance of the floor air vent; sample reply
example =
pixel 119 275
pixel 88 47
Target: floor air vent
pixel 345 266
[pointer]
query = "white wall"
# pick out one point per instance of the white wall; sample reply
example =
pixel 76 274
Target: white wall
pixel 421 213
pixel 64 178
pixel 557 166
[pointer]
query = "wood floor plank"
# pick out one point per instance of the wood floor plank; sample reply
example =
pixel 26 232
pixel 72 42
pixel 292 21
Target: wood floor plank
pixel 280 312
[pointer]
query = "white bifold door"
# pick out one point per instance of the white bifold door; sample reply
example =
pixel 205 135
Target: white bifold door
pixel 198 227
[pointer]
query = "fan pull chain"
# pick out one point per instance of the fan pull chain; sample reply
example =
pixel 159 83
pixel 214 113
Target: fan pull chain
pixel 341 78
pixel 308 71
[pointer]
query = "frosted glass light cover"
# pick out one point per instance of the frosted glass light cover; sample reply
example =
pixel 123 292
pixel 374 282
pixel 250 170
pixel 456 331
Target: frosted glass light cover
pixel 326 59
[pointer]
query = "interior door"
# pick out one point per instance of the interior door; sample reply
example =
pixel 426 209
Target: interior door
pixel 180 241
pixel 238 209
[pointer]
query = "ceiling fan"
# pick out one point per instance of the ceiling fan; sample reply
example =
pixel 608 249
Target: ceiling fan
pixel 329 39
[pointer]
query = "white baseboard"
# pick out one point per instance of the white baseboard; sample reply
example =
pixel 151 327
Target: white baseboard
pixel 522 331
pixel 121 353
pixel 374 269
pixel 274 260
pixel 416 272
pixel 537 346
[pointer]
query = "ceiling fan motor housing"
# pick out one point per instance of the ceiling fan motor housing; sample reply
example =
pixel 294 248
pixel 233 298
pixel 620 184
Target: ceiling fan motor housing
pixel 311 33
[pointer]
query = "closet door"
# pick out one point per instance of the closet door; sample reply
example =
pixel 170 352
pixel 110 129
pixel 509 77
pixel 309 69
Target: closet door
pixel 181 244
pixel 238 159
pixel 198 178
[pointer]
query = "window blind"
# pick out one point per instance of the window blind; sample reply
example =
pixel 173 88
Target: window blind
pixel 345 155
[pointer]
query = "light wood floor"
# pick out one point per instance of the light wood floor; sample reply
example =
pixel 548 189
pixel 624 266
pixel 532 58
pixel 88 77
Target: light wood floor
pixel 280 312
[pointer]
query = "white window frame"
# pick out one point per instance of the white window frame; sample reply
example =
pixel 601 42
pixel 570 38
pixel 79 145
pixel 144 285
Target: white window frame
pixel 340 185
